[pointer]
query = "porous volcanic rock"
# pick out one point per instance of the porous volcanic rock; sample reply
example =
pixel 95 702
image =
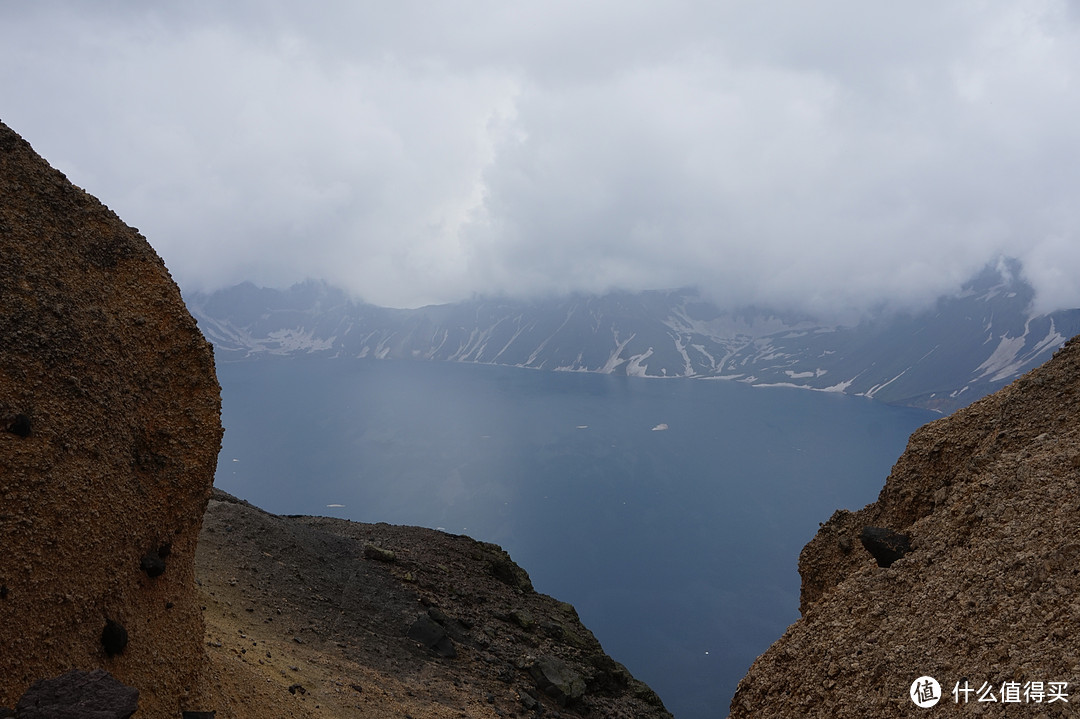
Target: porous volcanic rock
pixel 986 598
pixel 109 408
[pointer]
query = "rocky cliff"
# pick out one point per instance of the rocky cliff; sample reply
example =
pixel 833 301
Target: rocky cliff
pixel 983 600
pixel 341 619
pixel 109 434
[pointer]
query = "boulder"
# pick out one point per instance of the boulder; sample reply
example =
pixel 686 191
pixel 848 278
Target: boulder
pixel 432 635
pixel 556 679
pixel 379 554
pixel 78 695
pixel 111 412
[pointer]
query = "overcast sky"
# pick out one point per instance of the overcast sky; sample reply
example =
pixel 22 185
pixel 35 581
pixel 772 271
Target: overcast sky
pixel 833 154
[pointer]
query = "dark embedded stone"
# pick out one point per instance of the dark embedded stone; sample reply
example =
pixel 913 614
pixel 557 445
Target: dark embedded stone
pixel 556 679
pixel 357 688
pixel 78 695
pixel 165 550
pixel 152 564
pixel 439 616
pixel 114 638
pixel 297 689
pixel 6 713
pixel 429 633
pixel 19 425
pixel 885 545
pixel 3 591
pixel 199 715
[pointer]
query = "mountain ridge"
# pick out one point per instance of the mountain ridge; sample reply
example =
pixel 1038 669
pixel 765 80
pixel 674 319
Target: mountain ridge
pixel 963 347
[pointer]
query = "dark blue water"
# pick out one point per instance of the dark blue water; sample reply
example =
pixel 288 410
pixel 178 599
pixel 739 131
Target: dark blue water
pixel 678 547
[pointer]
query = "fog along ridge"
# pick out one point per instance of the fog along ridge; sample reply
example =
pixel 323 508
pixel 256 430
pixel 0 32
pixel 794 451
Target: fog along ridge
pixel 963 348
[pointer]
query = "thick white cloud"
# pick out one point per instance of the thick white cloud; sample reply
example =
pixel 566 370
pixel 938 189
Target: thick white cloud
pixel 833 155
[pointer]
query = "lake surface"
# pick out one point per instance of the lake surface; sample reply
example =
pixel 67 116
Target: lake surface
pixel 678 546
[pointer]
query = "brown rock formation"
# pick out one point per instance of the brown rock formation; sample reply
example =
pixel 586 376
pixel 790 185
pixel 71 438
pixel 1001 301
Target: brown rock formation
pixel 109 434
pixel 987 594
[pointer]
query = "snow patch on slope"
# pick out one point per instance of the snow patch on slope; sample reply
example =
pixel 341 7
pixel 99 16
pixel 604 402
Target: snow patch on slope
pixel 615 359
pixel 1008 358
pixel 297 339
pixel 635 368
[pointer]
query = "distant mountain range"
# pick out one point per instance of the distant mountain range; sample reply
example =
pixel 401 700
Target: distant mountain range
pixel 964 347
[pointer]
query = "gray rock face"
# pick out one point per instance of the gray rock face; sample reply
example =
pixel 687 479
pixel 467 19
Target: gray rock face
pixel 79 695
pixel 432 635
pixel 557 680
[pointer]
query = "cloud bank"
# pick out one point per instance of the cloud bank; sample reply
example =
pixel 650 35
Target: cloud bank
pixel 833 156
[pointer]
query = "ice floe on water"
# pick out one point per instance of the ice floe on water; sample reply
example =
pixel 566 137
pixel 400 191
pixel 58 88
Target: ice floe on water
pixel 660 427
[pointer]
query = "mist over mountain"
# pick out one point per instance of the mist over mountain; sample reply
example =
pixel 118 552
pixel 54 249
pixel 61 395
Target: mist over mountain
pixel 963 347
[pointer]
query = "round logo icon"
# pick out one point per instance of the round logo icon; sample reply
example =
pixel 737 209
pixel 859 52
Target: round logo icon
pixel 925 692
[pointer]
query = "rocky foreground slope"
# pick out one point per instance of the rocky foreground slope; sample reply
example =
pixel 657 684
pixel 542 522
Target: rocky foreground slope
pixel 360 620
pixel 985 602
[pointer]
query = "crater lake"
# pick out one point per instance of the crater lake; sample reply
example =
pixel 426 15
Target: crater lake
pixel 669 512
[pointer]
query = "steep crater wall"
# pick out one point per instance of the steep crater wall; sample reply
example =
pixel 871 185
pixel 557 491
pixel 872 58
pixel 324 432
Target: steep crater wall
pixel 109 434
pixel 985 597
